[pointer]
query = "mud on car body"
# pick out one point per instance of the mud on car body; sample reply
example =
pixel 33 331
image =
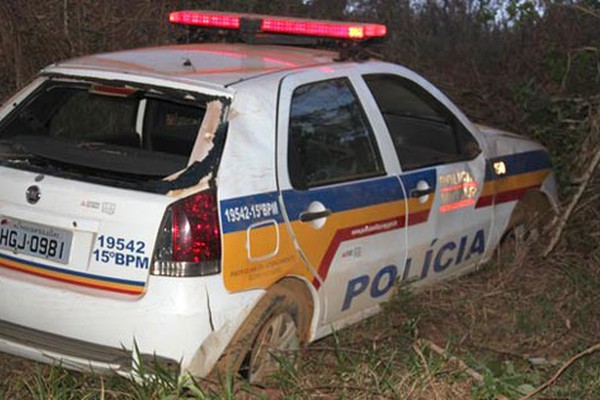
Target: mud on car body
pixel 208 203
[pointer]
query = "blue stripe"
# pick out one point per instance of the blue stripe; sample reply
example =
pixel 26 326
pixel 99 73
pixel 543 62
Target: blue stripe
pixel 344 197
pixel 239 213
pixel 519 163
pixel 74 273
pixel 337 198
pixel 411 180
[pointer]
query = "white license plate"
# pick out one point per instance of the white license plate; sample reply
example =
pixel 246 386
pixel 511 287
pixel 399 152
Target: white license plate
pixel 42 241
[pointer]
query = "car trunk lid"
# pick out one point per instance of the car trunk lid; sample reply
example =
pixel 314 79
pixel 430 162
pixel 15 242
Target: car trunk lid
pixel 83 235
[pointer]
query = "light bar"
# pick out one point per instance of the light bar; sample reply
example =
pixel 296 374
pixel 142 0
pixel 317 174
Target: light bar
pixel 338 30
pixel 209 19
pixel 281 25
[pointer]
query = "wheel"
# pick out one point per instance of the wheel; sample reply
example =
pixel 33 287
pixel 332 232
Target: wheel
pixel 278 338
pixel 527 229
pixel 516 243
pixel 275 328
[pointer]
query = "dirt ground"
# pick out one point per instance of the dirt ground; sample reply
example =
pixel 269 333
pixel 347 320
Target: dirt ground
pixel 517 321
pixel 14 368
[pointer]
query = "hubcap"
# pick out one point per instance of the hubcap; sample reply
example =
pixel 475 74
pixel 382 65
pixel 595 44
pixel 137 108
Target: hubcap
pixel 278 336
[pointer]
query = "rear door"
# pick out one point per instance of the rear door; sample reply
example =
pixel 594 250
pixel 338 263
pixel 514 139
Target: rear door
pixel 345 207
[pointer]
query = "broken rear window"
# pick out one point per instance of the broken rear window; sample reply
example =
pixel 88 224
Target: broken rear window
pixel 105 130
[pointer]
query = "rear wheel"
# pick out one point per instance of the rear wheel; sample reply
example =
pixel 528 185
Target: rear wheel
pixel 278 338
pixel 274 330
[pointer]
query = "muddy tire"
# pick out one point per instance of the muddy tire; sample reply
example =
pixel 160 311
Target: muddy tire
pixel 527 230
pixel 275 329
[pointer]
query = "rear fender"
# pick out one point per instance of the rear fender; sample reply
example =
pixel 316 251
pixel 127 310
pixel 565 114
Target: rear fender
pixel 227 324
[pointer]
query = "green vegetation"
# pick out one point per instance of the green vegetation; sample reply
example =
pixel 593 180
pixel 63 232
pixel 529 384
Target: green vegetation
pixel 502 331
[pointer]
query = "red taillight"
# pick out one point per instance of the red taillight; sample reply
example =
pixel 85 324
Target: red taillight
pixel 283 25
pixel 189 241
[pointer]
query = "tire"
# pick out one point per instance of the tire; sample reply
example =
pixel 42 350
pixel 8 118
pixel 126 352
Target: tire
pixel 527 229
pixel 275 328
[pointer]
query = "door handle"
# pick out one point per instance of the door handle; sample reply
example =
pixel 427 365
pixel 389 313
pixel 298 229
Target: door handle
pixel 416 193
pixel 308 216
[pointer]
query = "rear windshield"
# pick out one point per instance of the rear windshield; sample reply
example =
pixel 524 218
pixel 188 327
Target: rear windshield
pixel 116 132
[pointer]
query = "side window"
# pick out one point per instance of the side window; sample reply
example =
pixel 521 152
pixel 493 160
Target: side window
pixel 330 140
pixel 424 132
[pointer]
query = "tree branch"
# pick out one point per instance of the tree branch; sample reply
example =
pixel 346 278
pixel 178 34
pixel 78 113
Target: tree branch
pixel 562 369
pixel 585 181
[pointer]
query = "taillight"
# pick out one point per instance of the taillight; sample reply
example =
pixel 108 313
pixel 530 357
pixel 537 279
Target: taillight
pixel 189 240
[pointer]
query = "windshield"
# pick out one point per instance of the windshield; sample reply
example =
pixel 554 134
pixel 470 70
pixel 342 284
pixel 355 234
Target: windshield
pixel 112 132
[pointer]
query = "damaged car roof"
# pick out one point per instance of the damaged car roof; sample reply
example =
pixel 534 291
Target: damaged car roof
pixel 218 64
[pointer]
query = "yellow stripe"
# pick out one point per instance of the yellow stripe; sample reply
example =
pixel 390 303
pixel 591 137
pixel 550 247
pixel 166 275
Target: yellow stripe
pixel 316 244
pixel 514 182
pixel 65 277
pixel 240 273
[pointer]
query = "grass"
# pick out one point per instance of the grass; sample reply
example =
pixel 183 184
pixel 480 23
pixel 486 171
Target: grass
pixel 513 323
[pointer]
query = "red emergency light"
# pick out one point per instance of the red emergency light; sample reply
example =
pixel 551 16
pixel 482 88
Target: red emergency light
pixel 281 25
pixel 210 19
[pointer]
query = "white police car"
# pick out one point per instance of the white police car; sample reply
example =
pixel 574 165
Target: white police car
pixel 209 203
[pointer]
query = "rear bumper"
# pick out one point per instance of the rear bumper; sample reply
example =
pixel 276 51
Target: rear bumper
pixel 90 330
pixel 43 346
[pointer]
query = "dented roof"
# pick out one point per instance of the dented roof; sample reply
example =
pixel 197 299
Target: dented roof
pixel 215 63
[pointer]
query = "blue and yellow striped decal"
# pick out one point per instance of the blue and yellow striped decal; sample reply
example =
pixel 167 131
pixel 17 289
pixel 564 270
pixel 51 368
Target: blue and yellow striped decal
pixel 356 209
pixel 524 171
pixel 256 222
pixel 359 209
pixel 72 277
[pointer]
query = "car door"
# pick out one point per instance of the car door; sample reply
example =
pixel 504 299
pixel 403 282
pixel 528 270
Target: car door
pixel 345 209
pixel 443 171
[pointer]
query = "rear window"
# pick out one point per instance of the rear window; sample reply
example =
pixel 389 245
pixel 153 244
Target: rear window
pixel 91 127
pixel 95 114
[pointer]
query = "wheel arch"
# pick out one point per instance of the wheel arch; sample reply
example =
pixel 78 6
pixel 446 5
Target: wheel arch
pixel 291 293
pixel 529 206
pixel 309 306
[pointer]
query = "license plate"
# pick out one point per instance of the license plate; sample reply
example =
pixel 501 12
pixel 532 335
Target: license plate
pixel 42 241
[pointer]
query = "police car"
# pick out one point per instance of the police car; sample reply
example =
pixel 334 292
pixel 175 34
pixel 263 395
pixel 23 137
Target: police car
pixel 208 204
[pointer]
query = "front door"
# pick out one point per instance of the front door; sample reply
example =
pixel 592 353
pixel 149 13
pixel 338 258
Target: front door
pixel 443 174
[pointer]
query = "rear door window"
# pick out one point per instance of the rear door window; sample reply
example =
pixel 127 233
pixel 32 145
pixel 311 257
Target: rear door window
pixel 330 140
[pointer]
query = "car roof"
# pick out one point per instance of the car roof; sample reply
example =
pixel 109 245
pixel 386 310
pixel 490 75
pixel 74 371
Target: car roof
pixel 215 63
